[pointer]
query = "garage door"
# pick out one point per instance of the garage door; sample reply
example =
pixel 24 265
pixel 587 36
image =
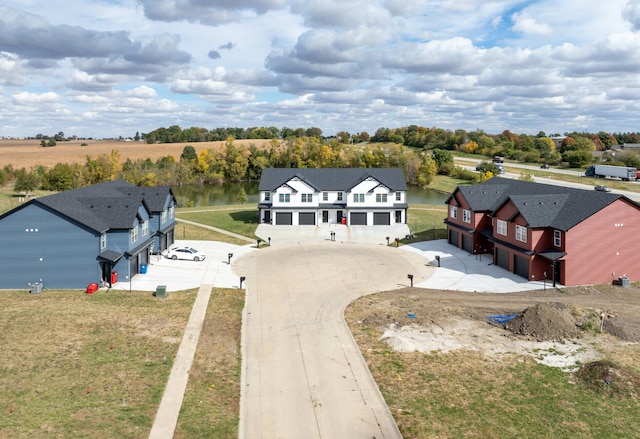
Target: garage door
pixel 358 219
pixel 307 218
pixel 502 258
pixel 521 266
pixel 283 218
pixel 467 243
pixel 453 237
pixel 381 219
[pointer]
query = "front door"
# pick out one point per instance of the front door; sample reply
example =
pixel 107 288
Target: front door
pixel 339 216
pixel 325 216
pixel 398 216
pixel 267 217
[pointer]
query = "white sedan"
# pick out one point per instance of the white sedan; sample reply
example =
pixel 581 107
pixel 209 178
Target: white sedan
pixel 188 253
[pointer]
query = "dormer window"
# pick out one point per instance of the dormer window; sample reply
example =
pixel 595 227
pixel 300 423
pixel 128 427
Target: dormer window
pixel 557 238
pixel 453 212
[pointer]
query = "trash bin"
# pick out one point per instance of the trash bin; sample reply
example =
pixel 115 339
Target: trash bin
pixel 92 288
pixel 624 281
pixel 143 268
pixel 343 220
pixel 114 277
pixel 161 291
pixel 36 288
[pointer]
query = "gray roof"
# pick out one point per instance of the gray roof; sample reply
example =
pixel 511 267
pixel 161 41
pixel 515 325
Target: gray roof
pixel 541 205
pixel 332 179
pixel 106 206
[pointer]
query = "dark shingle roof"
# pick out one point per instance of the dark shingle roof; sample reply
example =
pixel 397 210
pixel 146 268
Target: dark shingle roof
pixel 541 205
pixel 332 179
pixel 110 205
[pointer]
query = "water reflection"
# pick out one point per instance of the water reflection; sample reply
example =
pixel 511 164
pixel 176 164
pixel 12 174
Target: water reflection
pixel 229 193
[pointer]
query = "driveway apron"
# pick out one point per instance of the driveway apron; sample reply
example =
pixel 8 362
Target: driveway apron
pixel 303 375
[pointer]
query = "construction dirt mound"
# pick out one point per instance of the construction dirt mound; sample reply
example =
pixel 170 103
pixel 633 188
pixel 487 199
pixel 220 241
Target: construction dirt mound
pixel 545 322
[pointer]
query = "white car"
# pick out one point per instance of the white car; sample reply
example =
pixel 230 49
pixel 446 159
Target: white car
pixel 188 253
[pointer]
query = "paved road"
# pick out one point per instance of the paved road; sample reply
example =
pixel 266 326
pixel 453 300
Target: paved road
pixel 303 375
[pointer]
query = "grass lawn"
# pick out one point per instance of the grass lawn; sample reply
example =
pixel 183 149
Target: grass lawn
pixel 96 366
pixel 78 365
pixel 240 219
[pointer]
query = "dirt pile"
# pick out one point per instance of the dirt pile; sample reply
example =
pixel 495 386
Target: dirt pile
pixel 545 322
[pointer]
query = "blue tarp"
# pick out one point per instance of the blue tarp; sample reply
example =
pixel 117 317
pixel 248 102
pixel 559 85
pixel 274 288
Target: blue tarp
pixel 501 319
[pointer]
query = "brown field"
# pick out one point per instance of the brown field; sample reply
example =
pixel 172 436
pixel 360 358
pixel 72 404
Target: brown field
pixel 28 153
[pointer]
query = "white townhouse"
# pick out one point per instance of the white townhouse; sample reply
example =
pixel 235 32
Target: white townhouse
pixel 349 196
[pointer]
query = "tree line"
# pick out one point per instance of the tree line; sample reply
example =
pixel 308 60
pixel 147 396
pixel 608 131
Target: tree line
pixel 233 162
pixel 420 152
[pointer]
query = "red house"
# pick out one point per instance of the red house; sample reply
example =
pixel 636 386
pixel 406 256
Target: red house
pixel 538 231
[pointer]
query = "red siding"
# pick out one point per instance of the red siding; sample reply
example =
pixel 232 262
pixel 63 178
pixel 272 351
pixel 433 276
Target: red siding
pixel 604 246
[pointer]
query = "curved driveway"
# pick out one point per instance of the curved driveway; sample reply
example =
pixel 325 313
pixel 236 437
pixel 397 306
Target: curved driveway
pixel 302 373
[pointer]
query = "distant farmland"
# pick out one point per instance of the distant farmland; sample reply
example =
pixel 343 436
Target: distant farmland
pixel 28 153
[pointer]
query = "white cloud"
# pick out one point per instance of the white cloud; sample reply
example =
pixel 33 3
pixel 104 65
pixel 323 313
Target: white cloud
pixel 525 24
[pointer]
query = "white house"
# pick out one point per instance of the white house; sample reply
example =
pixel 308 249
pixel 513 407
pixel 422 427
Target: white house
pixel 343 196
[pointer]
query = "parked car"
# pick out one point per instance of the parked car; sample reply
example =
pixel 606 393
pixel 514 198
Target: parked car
pixel 188 253
pixel 602 188
pixel 545 166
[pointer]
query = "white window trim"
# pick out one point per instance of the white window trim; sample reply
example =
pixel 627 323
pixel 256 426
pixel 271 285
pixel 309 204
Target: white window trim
pixel 521 233
pixel 398 196
pixel 466 216
pixel 103 241
pixel 381 198
pixel 284 198
pixel 307 198
pixel 339 196
pixel 172 211
pixel 557 238
pixel 501 227
pixel 267 196
pixel 163 217
pixel 453 212
pixel 145 228
pixel 358 198
pixel 133 235
pixel 325 196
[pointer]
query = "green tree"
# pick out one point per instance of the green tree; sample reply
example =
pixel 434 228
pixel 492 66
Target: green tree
pixel 26 181
pixel 427 171
pixel 189 154
pixel 60 178
pixel 242 196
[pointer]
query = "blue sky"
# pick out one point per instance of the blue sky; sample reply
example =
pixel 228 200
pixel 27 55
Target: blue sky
pixel 109 68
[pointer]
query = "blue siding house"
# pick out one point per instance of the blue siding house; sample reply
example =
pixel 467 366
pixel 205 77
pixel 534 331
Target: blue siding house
pixel 96 234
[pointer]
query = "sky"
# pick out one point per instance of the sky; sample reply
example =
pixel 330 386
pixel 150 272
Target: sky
pixel 110 68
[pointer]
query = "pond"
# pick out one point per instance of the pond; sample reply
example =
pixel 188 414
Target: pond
pixel 227 193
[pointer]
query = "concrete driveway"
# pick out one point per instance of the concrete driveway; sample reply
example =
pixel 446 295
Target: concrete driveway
pixel 303 375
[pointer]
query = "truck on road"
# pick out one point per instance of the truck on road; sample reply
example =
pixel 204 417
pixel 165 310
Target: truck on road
pixel 621 172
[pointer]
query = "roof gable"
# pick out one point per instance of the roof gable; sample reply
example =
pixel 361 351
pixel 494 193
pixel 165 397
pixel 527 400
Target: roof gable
pixel 541 205
pixel 332 179
pixel 111 205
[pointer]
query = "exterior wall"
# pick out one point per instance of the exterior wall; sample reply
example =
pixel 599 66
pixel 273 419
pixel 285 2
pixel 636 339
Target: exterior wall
pixel 604 246
pixel 296 188
pixel 38 245
pixel 157 228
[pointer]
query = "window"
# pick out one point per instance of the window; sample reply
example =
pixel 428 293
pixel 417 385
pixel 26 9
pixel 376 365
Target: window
pixel 103 241
pixel 466 216
pixel 267 196
pixel 381 198
pixel 307 198
pixel 325 196
pixel 557 238
pixel 133 234
pixel 145 228
pixel 163 217
pixel 501 227
pixel 339 196
pixel 398 196
pixel 172 211
pixel 521 233
pixel 284 198
pixel 358 198
pixel 453 211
